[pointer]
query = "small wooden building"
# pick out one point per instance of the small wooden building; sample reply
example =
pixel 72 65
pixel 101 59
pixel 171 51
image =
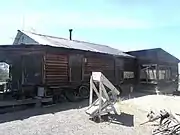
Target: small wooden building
pixel 157 70
pixel 63 65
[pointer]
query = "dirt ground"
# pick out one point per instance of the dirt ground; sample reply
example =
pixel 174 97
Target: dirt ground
pixel 71 119
pixel 57 120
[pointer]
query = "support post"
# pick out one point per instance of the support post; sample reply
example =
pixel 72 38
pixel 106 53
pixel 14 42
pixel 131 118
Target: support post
pixel 157 77
pixel 157 73
pixel 100 99
pixel 91 91
pixel 104 103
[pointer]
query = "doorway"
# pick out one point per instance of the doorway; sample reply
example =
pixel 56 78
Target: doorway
pixel 75 67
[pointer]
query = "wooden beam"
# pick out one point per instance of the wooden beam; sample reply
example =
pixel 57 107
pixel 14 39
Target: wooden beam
pixel 100 99
pixel 91 91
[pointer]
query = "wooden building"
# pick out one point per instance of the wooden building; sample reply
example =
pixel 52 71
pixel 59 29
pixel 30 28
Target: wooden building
pixel 63 66
pixel 157 70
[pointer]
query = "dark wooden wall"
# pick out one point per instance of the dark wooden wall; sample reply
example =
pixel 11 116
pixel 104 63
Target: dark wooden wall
pixel 77 67
pixel 55 69
pixel 130 65
pixel 16 73
pixel 31 66
pixel 58 66
pixel 99 64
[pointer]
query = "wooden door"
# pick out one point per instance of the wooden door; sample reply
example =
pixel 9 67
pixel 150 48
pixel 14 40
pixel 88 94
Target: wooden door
pixel 31 73
pixel 75 67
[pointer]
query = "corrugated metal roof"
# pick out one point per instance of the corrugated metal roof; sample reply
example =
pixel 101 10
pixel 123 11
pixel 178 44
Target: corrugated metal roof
pixel 152 52
pixel 74 44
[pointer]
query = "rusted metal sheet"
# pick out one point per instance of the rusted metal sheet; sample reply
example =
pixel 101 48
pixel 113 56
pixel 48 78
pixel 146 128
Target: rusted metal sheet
pixel 56 69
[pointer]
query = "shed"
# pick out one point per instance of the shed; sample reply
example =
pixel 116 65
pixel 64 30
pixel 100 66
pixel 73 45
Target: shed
pixel 60 64
pixel 157 67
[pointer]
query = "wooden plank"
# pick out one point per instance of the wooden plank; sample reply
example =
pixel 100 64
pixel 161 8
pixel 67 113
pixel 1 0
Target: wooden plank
pixel 57 61
pixel 56 68
pixel 91 91
pixel 56 64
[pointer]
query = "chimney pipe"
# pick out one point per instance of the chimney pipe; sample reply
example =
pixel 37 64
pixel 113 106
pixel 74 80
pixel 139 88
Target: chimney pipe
pixel 70 34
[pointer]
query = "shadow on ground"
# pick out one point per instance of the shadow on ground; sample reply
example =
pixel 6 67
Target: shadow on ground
pixel 25 114
pixel 123 119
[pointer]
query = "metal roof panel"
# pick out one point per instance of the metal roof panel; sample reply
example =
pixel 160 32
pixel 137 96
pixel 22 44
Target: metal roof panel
pixel 74 44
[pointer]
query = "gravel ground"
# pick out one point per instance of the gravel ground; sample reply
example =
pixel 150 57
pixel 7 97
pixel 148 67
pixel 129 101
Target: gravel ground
pixel 156 102
pixel 140 106
pixel 71 119
pixel 56 121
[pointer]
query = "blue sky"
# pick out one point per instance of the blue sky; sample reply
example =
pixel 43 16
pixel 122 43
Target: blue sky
pixel 123 24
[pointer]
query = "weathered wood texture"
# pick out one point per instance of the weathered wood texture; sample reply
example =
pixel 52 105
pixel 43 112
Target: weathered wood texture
pixel 75 68
pixel 95 64
pixel 68 67
pixel 56 69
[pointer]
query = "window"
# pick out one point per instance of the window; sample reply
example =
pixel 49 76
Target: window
pixel 164 74
pixel 128 74
pixel 148 73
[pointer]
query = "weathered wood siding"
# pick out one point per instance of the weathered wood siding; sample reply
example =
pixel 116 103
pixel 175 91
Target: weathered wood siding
pixel 94 64
pixel 130 68
pixel 119 68
pixel 55 69
pixel 31 69
pixel 75 68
